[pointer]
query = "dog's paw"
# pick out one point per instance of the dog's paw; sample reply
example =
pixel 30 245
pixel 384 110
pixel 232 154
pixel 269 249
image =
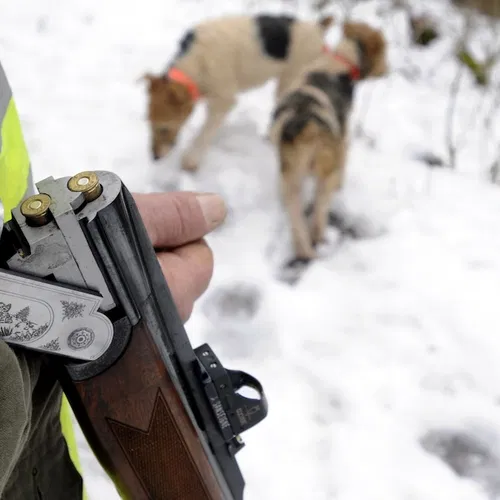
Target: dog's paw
pixel 189 163
pixel 305 254
pixel 297 262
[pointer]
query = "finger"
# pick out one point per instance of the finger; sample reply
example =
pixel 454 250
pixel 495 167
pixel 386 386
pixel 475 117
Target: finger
pixel 188 271
pixel 174 219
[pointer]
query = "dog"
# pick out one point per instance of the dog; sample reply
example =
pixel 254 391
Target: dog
pixel 309 128
pixel 219 59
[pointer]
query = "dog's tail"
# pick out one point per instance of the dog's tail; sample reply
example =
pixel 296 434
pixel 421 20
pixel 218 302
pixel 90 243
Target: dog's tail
pixel 326 22
pixel 303 128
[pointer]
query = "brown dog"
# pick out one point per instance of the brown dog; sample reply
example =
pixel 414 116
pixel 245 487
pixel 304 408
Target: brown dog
pixel 310 126
pixel 217 60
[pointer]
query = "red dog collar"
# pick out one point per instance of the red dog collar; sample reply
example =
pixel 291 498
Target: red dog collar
pixel 354 70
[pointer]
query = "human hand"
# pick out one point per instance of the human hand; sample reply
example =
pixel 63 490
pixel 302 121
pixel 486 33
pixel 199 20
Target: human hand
pixel 176 224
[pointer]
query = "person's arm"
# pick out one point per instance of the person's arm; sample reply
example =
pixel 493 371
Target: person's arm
pixel 15 408
pixel 16 376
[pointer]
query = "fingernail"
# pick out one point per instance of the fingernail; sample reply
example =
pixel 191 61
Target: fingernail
pixel 213 208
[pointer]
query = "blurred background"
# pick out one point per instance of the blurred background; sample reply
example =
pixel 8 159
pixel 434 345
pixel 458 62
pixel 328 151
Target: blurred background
pixel 381 364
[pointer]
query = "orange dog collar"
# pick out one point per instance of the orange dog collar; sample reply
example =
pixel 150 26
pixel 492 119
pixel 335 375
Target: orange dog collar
pixel 179 76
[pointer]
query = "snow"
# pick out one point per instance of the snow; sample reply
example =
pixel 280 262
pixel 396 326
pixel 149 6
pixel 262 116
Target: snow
pixel 387 345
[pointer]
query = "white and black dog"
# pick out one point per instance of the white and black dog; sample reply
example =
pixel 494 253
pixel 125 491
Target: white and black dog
pixel 218 59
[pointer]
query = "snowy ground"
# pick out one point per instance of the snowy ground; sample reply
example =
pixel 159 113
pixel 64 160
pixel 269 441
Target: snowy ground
pixel 381 366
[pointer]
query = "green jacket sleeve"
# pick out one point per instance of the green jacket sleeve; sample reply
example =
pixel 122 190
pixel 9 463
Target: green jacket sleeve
pixel 34 458
pixel 16 377
pixel 17 380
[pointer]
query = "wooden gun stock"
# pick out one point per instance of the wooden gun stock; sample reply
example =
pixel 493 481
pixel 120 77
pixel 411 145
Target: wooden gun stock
pixel 138 427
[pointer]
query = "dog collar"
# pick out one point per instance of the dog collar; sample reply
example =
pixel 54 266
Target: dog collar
pixel 354 70
pixel 179 76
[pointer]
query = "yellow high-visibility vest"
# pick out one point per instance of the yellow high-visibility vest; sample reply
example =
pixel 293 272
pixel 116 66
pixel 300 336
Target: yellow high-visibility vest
pixel 15 184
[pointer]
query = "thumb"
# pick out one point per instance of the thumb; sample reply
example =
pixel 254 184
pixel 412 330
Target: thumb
pixel 174 219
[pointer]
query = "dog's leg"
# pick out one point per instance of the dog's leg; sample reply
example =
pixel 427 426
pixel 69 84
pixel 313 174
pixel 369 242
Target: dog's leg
pixel 294 166
pixel 329 168
pixel 217 110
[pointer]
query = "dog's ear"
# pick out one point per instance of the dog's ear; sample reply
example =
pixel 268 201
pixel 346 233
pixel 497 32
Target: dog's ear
pixel 350 30
pixel 146 77
pixel 178 94
pixel 326 22
pixel 374 43
pixel 372 40
pixel 154 81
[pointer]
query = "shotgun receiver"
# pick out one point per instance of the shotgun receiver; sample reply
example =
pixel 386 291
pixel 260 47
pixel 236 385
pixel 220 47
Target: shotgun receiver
pixel 80 283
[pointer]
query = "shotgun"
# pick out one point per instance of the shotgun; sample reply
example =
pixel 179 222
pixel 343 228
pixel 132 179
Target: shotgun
pixel 81 284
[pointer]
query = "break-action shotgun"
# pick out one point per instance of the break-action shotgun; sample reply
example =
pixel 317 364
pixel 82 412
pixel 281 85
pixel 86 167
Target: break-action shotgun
pixel 81 284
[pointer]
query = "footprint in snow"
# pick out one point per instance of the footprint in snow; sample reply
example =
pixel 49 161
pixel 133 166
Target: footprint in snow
pixel 237 301
pixel 239 320
pixel 469 455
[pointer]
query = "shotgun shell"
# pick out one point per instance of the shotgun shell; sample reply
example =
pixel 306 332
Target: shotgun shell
pixel 86 183
pixel 36 209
